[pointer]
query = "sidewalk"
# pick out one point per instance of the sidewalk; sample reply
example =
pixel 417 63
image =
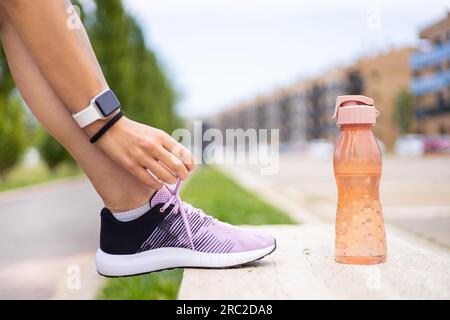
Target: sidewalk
pixel 416 206
pixel 303 267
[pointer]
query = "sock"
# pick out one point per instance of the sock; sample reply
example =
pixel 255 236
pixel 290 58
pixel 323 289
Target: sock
pixel 133 214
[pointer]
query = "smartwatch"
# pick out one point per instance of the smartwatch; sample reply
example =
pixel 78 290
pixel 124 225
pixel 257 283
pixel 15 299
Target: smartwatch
pixel 102 106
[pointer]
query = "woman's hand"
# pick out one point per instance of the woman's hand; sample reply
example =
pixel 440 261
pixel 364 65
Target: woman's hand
pixel 142 149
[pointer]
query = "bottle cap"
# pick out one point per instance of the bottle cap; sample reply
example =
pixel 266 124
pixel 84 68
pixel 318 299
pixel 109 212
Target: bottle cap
pixel 355 109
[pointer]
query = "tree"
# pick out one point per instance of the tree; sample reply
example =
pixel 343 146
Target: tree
pixel 132 70
pixel 6 81
pixel 12 133
pixel 404 111
pixel 12 121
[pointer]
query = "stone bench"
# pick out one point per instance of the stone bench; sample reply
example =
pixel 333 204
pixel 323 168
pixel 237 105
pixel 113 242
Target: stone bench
pixel 303 267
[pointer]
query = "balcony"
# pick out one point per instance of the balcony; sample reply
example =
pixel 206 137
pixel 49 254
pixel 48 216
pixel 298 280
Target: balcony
pixel 430 83
pixel 430 58
pixel 436 110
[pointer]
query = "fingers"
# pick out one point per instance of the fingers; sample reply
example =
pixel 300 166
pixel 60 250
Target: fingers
pixel 172 163
pixel 179 151
pixel 145 177
pixel 160 171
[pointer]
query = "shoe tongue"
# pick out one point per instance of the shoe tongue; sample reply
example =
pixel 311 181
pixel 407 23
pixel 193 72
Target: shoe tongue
pixel 161 196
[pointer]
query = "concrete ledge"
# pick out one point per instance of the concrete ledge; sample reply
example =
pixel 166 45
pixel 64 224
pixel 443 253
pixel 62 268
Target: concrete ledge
pixel 303 267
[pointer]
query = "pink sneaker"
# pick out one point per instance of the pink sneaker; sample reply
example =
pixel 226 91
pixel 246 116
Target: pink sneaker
pixel 174 234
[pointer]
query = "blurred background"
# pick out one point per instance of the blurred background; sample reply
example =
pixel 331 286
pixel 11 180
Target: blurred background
pixel 253 64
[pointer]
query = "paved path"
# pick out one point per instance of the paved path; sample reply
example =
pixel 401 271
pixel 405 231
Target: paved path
pixel 48 234
pixel 415 192
pixel 303 267
pixel 416 202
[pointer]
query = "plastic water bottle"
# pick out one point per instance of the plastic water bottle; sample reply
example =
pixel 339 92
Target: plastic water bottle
pixel 360 232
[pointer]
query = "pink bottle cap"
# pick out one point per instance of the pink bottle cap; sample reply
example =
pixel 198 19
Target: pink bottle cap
pixel 355 109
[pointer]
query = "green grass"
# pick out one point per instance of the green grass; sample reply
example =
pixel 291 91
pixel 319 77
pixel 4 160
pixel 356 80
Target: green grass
pixel 155 286
pixel 217 195
pixel 25 176
pixel 220 196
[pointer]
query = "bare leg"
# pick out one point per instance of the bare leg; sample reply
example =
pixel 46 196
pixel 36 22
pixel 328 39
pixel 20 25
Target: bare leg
pixel 119 190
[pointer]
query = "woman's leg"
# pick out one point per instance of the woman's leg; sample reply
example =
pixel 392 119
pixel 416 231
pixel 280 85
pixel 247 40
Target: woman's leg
pixel 119 190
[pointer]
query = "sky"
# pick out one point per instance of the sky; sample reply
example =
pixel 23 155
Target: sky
pixel 218 53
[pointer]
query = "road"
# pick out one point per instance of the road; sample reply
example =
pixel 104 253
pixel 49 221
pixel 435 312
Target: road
pixel 46 229
pixel 415 192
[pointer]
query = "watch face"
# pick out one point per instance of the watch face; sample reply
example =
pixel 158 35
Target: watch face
pixel 107 103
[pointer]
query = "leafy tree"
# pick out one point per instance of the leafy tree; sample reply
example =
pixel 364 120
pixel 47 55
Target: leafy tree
pixel 404 110
pixel 6 81
pixel 131 69
pixel 12 121
pixel 12 133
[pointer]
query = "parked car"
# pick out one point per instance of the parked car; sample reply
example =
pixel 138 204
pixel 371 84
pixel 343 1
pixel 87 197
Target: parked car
pixel 410 145
pixel 437 144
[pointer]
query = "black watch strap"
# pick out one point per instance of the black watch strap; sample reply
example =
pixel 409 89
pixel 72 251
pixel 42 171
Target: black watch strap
pixel 106 127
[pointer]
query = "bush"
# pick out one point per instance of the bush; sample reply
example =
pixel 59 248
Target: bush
pixel 52 152
pixel 12 134
pixel 403 112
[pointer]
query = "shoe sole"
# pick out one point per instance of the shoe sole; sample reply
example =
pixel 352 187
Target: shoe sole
pixel 112 266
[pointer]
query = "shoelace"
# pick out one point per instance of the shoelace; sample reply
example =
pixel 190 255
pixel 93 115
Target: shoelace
pixel 179 206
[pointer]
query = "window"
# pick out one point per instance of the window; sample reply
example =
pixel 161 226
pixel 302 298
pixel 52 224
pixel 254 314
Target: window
pixel 437 68
pixel 437 41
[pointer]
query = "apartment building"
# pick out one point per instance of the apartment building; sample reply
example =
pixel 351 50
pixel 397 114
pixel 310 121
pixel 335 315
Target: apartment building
pixel 303 111
pixel 383 77
pixel 430 84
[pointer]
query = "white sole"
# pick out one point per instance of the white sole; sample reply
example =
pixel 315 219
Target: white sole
pixel 112 265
